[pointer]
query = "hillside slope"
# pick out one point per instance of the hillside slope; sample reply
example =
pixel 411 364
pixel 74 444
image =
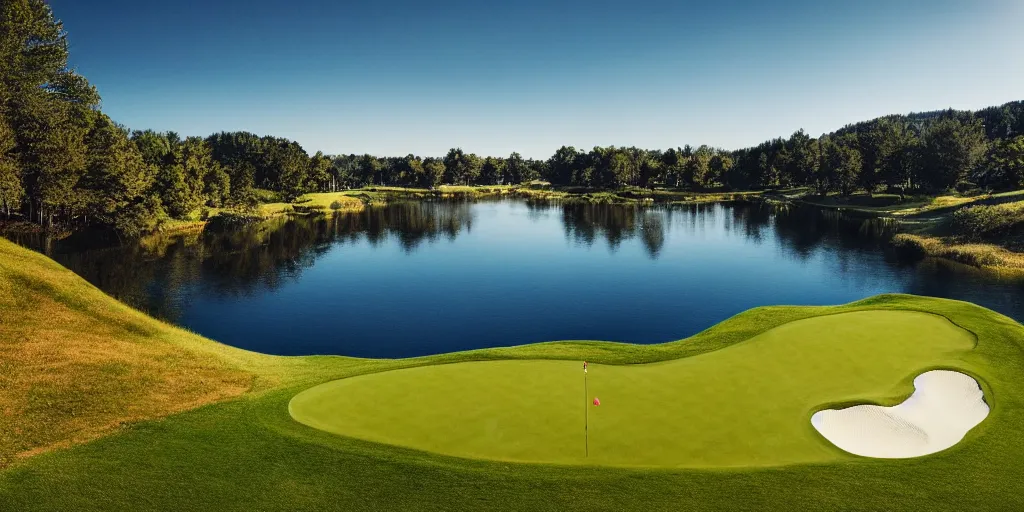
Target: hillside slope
pixel 75 364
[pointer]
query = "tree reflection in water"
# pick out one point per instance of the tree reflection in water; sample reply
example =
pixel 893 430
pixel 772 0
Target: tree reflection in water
pixel 160 272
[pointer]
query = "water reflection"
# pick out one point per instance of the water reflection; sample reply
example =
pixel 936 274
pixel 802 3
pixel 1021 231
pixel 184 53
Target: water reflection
pixel 443 275
pixel 585 223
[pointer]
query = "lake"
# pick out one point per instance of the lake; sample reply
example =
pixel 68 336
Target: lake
pixel 412 279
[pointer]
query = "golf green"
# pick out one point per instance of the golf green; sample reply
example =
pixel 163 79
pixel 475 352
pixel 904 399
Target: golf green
pixel 748 404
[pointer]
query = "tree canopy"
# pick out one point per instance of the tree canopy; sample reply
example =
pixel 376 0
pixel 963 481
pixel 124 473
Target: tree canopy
pixel 65 163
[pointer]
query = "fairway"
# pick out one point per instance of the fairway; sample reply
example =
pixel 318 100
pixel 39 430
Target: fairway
pixel 747 404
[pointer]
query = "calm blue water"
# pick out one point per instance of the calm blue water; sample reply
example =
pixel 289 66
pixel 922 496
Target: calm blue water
pixel 425 278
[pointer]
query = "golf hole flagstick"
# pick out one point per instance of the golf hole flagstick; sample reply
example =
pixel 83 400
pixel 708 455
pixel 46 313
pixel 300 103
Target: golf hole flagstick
pixel 586 413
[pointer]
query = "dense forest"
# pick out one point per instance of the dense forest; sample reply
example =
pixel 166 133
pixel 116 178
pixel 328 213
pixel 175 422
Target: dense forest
pixel 65 163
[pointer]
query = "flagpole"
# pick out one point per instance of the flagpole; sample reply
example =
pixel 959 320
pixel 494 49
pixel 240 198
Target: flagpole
pixel 586 411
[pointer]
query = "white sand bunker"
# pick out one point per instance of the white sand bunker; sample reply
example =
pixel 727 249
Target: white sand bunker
pixel 944 406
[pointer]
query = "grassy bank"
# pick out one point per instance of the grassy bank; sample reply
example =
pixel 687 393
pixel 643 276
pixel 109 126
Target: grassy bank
pixel 76 365
pixel 544 192
pixel 987 236
pixel 907 207
pixel 984 231
pixel 630 195
pixel 271 204
pixel 145 416
pixel 986 256
pixel 325 202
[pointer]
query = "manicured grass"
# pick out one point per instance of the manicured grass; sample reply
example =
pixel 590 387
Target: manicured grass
pixel 320 202
pixel 748 405
pixel 248 453
pixel 510 410
pixel 324 200
pixel 274 209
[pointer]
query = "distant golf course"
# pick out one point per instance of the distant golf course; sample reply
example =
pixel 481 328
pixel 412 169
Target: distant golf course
pixel 106 408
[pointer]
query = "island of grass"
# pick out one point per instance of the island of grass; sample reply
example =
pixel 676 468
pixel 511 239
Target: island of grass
pixel 106 408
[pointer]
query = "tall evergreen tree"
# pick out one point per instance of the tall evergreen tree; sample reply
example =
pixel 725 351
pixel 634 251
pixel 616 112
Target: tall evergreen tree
pixel 118 180
pixel 11 189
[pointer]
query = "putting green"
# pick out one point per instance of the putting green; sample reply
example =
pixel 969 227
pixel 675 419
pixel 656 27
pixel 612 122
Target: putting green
pixel 748 404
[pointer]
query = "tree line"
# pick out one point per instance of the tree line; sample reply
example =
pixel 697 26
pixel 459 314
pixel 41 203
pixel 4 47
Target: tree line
pixel 63 162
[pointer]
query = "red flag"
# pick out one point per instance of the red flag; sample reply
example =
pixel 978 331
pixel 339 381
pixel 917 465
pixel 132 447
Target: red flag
pixel 597 401
pixel 584 367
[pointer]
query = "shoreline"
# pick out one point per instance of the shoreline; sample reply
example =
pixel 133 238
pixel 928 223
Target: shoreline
pixel 926 228
pixel 923 221
pixel 984 256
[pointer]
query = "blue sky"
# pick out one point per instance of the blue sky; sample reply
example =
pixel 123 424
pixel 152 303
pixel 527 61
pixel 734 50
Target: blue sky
pixel 391 77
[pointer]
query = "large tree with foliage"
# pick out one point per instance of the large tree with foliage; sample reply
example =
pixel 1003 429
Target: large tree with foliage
pixel 453 165
pixel 47 106
pixel 492 171
pixel 1004 164
pixel 561 165
pixel 319 176
pixel 699 168
pixel 515 169
pixel 898 156
pixel 118 180
pixel 433 172
pixel 368 169
pixel 951 148
pixel 840 166
pixel 11 189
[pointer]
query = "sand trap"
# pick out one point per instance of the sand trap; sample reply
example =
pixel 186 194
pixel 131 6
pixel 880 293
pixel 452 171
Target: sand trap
pixel 944 406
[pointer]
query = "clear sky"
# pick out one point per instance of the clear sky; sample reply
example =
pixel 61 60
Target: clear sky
pixel 392 77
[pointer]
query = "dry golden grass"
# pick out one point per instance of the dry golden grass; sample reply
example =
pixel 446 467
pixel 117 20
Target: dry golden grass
pixel 75 364
pixel 986 256
pixel 944 201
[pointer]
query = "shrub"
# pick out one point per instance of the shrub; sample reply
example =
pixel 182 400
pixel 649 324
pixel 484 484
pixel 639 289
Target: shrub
pixel 267 196
pixel 979 222
pixel 310 209
pixel 335 205
pixel 912 246
pixel 234 219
